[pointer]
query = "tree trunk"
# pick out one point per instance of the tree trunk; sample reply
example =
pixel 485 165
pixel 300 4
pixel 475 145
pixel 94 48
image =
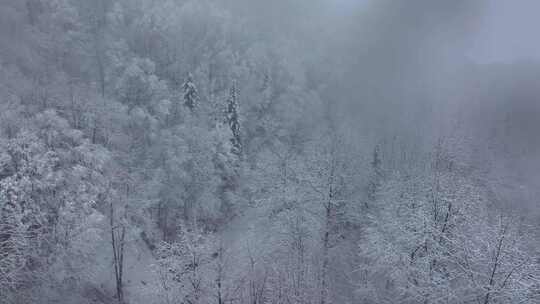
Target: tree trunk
pixel 117 242
pixel 495 265
pixel 326 247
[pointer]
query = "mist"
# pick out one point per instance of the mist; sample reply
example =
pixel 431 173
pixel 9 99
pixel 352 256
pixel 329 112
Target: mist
pixel 254 151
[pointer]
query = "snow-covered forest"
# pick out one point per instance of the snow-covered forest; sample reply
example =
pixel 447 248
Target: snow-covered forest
pixel 269 152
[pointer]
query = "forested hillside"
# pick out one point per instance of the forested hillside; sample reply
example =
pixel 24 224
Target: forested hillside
pixel 287 152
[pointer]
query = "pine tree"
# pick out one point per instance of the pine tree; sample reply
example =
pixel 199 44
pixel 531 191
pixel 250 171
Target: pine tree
pixel 376 176
pixel 191 94
pixel 232 117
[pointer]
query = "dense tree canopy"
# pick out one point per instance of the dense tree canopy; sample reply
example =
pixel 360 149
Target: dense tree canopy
pixel 205 151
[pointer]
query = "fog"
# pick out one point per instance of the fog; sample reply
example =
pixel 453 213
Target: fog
pixel 269 151
pixel 425 66
pixel 418 68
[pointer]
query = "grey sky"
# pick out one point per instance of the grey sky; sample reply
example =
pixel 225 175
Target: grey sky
pixel 509 31
pixel 506 31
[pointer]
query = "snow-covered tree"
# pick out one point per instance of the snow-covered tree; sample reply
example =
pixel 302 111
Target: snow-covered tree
pixel 181 266
pixel 233 118
pixel 432 241
pixel 190 93
pixel 375 177
pixel 138 86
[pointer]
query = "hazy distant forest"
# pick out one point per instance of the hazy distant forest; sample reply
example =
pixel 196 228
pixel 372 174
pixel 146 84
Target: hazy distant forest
pixel 267 152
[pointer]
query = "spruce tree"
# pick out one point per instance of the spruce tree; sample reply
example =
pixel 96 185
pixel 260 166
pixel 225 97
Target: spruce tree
pixel 232 118
pixel 376 176
pixel 191 94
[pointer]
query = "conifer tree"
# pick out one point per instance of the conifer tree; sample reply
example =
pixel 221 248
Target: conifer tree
pixel 191 94
pixel 376 176
pixel 232 118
